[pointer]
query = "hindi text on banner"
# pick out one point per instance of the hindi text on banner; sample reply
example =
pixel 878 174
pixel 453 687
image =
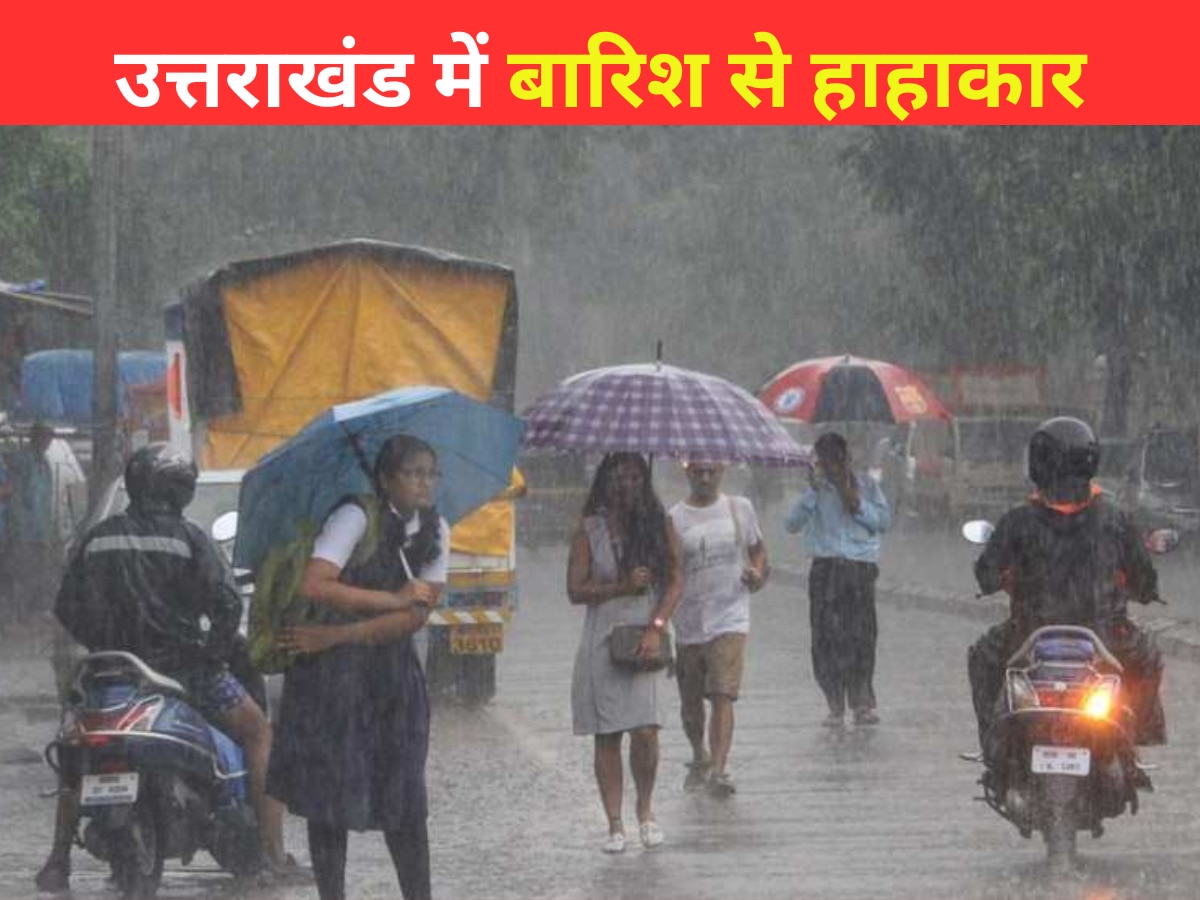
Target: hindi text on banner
pixel 537 80
pixel 907 79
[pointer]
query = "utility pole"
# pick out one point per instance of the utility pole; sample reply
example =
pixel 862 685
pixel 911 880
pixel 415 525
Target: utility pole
pixel 106 175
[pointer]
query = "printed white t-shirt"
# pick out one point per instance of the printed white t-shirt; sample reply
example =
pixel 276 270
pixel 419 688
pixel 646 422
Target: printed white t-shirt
pixel 715 601
pixel 346 526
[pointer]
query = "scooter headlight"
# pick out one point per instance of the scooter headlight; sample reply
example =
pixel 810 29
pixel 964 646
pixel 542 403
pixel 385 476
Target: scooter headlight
pixel 1021 692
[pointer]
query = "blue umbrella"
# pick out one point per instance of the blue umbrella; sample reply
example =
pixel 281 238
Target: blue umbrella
pixel 304 478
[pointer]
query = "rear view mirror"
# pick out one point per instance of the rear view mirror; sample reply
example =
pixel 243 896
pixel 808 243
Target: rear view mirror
pixel 1162 540
pixel 224 527
pixel 977 531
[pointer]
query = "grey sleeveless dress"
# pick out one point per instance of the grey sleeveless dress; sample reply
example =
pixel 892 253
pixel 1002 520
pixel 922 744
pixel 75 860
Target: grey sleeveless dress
pixel 604 698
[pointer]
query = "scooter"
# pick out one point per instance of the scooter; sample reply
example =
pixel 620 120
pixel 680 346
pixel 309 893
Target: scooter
pixel 1061 755
pixel 156 780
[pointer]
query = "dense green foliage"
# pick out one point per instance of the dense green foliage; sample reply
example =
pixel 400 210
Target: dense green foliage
pixel 43 206
pixel 1036 238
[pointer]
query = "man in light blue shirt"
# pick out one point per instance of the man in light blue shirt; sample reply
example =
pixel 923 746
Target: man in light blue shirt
pixel 842 516
pixel 33 540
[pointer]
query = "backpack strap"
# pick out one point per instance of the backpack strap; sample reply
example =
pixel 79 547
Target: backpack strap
pixel 365 549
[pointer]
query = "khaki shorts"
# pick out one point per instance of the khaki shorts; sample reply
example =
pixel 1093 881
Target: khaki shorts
pixel 710 669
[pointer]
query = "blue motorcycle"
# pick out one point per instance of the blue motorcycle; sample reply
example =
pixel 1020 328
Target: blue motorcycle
pixel 156 780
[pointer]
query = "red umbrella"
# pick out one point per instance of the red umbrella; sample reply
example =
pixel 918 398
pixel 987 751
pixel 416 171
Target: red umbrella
pixel 850 389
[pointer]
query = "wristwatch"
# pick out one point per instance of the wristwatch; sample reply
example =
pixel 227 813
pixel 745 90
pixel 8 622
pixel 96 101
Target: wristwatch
pixel 658 623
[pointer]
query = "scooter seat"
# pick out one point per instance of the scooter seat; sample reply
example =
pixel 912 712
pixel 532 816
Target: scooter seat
pixel 1064 649
pixel 118 661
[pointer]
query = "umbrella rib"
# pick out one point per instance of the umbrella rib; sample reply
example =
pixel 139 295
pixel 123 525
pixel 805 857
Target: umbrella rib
pixel 358 451
pixel 731 435
pixel 504 477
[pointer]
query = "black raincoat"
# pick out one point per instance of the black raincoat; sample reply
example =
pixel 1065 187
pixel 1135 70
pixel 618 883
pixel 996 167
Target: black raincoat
pixel 152 584
pixel 1076 567
pixel 1069 565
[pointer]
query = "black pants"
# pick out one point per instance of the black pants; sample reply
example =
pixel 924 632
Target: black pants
pixel 409 848
pixel 1136 650
pixel 841 611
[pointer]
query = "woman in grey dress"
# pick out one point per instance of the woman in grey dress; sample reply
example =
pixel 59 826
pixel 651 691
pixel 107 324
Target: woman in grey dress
pixel 625 568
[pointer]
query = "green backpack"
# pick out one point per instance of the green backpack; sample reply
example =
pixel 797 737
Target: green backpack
pixel 277 603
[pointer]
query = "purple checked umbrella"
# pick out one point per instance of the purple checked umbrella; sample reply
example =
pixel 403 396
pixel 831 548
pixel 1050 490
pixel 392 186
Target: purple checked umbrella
pixel 662 410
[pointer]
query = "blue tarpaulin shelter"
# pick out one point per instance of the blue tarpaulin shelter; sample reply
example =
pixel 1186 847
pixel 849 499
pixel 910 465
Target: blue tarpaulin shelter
pixel 56 385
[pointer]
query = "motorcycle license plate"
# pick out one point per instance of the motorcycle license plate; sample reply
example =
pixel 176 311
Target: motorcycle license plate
pixel 1061 760
pixel 107 790
pixel 477 640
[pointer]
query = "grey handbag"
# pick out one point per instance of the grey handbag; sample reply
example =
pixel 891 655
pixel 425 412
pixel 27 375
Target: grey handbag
pixel 623 643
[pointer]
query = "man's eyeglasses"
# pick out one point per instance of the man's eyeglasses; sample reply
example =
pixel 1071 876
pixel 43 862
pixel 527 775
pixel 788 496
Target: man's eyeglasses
pixel 420 474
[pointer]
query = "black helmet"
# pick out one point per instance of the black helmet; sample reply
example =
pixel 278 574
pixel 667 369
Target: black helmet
pixel 158 478
pixel 1063 455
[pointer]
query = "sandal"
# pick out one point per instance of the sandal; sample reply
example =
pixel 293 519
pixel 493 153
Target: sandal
pixel 651 834
pixel 615 843
pixel 697 776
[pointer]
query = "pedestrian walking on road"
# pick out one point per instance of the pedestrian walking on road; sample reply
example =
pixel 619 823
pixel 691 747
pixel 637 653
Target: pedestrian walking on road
pixel 35 550
pixel 353 731
pixel 625 567
pixel 843 515
pixel 724 562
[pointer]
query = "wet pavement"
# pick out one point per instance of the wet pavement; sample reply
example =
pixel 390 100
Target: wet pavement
pixel 883 812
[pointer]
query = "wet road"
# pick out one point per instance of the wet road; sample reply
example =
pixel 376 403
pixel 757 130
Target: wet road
pixel 884 812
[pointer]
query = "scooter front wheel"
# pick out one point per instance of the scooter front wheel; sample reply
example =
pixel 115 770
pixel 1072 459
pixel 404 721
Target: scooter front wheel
pixel 137 857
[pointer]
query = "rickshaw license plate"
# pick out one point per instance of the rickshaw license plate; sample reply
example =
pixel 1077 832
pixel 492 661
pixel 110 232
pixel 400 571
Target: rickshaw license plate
pixel 1061 760
pixel 104 790
pixel 477 640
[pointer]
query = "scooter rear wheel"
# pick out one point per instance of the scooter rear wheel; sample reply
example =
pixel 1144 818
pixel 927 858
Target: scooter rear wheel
pixel 137 860
pixel 1059 829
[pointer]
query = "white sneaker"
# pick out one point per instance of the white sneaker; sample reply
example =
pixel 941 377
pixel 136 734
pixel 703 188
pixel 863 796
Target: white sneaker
pixel 615 843
pixel 651 834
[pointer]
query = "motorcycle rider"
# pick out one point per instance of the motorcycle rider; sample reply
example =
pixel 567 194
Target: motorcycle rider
pixel 1068 556
pixel 152 583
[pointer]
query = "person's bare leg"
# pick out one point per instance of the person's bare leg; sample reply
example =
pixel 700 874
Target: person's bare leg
pixel 720 730
pixel 691 711
pixel 250 728
pixel 610 778
pixel 55 874
pixel 643 761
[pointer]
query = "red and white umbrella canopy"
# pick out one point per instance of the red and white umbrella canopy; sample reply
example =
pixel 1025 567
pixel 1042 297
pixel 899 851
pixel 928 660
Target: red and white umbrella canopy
pixel 850 389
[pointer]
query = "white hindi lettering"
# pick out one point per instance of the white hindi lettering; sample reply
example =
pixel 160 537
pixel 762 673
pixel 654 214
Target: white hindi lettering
pixel 184 80
pixel 146 80
pixel 472 59
pixel 334 77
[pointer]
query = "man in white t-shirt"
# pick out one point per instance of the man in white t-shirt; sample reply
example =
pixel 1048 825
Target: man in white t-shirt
pixel 725 561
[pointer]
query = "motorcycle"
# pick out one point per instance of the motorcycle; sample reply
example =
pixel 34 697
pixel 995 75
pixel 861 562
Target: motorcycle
pixel 156 780
pixel 1061 755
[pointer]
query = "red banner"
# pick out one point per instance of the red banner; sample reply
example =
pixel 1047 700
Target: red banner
pixel 539 63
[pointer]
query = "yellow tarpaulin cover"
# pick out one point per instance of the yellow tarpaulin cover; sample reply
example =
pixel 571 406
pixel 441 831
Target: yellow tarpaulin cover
pixel 332 329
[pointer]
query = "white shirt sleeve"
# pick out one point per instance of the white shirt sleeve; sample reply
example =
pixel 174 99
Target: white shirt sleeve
pixel 341 533
pixel 435 570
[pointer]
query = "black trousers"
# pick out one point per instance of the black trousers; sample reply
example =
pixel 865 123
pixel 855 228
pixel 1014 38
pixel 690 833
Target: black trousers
pixel 409 848
pixel 841 611
pixel 1136 650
